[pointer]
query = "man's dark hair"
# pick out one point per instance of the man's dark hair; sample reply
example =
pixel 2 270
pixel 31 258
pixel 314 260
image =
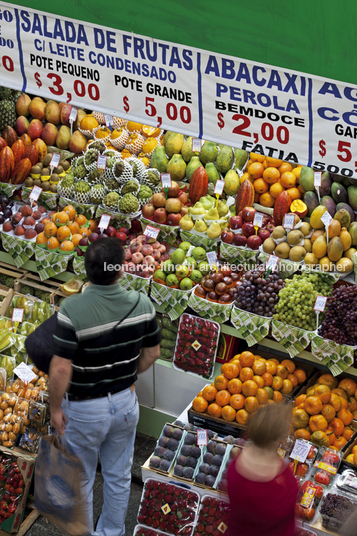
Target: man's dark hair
pixel 99 255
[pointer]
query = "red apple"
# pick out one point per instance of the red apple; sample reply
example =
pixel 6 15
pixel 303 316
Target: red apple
pixel 127 254
pixel 263 234
pixel 227 236
pixel 254 241
pixel 110 231
pixel 266 220
pixel 148 210
pixel 174 190
pixel 135 246
pixel 121 236
pixel 156 254
pixel 39 227
pixel 135 226
pixel 248 229
pixel 248 213
pixel 147 250
pixel 239 240
pixel 173 205
pixel 235 222
pixel 166 245
pixel 160 215
pixel 270 227
pixel 137 257
pixel 184 211
pixel 125 230
pixel 158 200
pixel 183 196
pixel 93 237
pixel 173 219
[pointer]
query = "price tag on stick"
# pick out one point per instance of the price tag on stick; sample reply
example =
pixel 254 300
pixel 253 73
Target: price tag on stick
pixel 101 162
pixel 109 121
pixel 212 259
pixel 25 373
pixel 272 263
pixel 289 221
pixel 72 117
pixel 35 193
pixel 17 316
pixel 151 232
pixel 258 221
pixel 218 188
pixel 166 180
pixel 326 220
pixel 196 145
pixel 202 438
pixel 319 307
pixel 104 221
pixel 317 183
pixel 55 160
pixel 300 451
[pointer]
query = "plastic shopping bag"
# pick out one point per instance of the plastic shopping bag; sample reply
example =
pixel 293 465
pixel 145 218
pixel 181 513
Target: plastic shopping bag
pixel 57 487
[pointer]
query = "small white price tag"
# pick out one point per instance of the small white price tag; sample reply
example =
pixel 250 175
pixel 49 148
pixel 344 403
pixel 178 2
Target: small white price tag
pixel 212 259
pixel 25 373
pixel 73 115
pixel 289 221
pixel 320 303
pixel 317 178
pixel 35 193
pixel 101 161
pixel 166 180
pixel 196 145
pixel 258 219
pixel 151 232
pixel 55 160
pixel 17 315
pixel 104 221
pixel 272 262
pixel 218 188
pixel 326 218
pixel 108 120
pixel 202 438
pixel 222 527
pixel 300 451
pixel 196 346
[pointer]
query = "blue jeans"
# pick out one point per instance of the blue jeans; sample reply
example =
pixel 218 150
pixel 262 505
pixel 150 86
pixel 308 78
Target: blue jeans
pixel 104 426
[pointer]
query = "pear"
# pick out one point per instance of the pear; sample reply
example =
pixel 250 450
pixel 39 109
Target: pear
pixel 214 230
pixel 212 214
pixel 222 209
pixel 200 226
pixel 197 209
pixel 206 202
pixel 186 223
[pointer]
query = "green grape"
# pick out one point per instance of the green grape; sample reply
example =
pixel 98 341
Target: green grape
pixel 297 299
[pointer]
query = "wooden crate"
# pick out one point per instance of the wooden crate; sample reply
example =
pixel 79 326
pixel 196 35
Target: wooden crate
pixel 25 525
pixel 12 271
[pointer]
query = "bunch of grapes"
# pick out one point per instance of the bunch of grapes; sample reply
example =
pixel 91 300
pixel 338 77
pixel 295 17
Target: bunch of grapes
pixel 340 322
pixel 296 303
pixel 321 282
pixel 337 507
pixel 258 292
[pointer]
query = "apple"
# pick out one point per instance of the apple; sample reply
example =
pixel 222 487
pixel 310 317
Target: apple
pixel 270 227
pixel 137 257
pixel 235 222
pixel 173 205
pixel 147 250
pixel 164 257
pixel 135 226
pixel 83 242
pixel 248 229
pixel 110 231
pixel 135 246
pixel 248 213
pixel 102 235
pixel 162 248
pixel 254 241
pixel 156 254
pixel 239 240
pixel 121 236
pixel 173 219
pixel 263 234
pixel 148 210
pixel 184 211
pixel 127 254
pixel 141 238
pixel 158 200
pixel 93 237
pixel 155 245
pixel 227 236
pixel 183 197
pixel 266 220
pixel 167 246
pixel 149 260
pixel 124 230
pixel 160 215
pixel 174 189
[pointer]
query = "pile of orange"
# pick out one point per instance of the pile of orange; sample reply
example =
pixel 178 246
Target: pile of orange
pixel 324 414
pixel 271 176
pixel 245 383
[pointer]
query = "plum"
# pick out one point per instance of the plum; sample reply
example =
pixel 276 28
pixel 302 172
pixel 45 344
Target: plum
pixel 163 441
pixel 207 457
pixel 210 434
pixel 204 468
pixel 178 471
pixel 164 465
pixel 217 460
pixel 172 443
pixel 188 472
pixel 229 439
pixel 189 427
pixel 213 470
pixel 210 480
pixel 186 450
pixel 196 452
pixel 169 455
pixel 168 431
pixel 159 451
pixel 191 462
pixel 224 474
pixel 177 434
pixel 222 486
pixel 220 449
pixel 200 478
pixel 190 439
pixel 239 441
pixel 155 462
pixel 179 423
pixel 211 447
pixel 234 452
pixel 181 460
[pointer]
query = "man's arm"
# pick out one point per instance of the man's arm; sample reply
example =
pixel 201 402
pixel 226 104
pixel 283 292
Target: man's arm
pixel 59 378
pixel 148 356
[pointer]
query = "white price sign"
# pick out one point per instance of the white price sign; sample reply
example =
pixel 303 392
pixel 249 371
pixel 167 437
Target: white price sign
pixel 35 193
pixel 326 218
pixel 317 178
pixel 218 189
pixel 55 160
pixel 320 303
pixel 166 180
pixel 151 232
pixel 104 221
pixel 212 259
pixel 25 373
pixel 272 262
pixel 17 315
pixel 108 120
pixel 289 221
pixel 196 145
pixel 73 115
pixel 101 161
pixel 258 219
pixel 202 438
pixel 300 451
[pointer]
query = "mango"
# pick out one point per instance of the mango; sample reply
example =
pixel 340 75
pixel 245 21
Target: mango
pixel 330 204
pixel 352 196
pixel 347 207
pixel 344 265
pixel 315 218
pixel 335 249
pixel 334 229
pixel 326 183
pixel 311 201
pixel 339 193
pixel 352 229
pixel 346 239
pixel 319 247
pixel 307 179
pixel 343 216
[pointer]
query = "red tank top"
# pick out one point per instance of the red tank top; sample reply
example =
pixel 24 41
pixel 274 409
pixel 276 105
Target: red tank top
pixel 262 508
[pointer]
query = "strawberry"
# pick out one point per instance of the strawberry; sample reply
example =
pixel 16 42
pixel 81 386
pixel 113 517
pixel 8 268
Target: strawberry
pixel 216 533
pixel 210 520
pixel 171 528
pixel 200 528
pixel 141 519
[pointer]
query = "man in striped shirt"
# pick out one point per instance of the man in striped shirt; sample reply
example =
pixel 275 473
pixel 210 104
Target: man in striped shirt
pixel 104 338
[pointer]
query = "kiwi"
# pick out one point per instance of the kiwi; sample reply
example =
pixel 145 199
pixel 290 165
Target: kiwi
pixel 37 182
pixel 36 170
pixel 46 186
pixel 40 164
pixel 55 178
pixel 47 159
pixel 53 188
pixel 65 164
pixel 45 171
pixel 29 182
pixel 58 170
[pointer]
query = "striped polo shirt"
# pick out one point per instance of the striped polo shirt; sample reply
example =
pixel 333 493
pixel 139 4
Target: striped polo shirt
pixel 104 359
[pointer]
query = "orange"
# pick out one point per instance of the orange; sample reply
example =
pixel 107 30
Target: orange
pixel 345 415
pixel 230 370
pixel 289 364
pixel 255 170
pixel 276 189
pixel 301 433
pixel 344 403
pixel 246 359
pixel 215 410
pixel 335 401
pixel 199 404
pixel 274 162
pixel 277 397
pixel 337 425
pixel 310 391
pixel 331 435
pixel 52 243
pixel 267 200
pixel 285 166
pixel 259 367
pixel 299 418
pixel 274 361
pixel 92 225
pixel 282 371
pixel 328 412
pixel 63 233
pixel 228 413
pixel 318 422
pixel 348 385
pixel 260 186
pixel 66 246
pixel 270 367
pixel 73 227
pixel 242 417
pixel 262 396
pixel 313 405
pixel 220 382
pixel 277 383
pixel 223 397
pixel 297 171
pixel 320 438
pixel 255 157
pixel 71 211
pixel 209 393
pixel 354 449
pixel 249 388
pixel 301 375
pixel 271 175
pixel 340 442
pixel 329 380
pixel 76 238
pixel 246 374
pixel 237 401
pixel 50 229
pixel 348 433
pixel 245 177
pixel 294 193
pixel 300 400
pixel 236 357
pixel 293 379
pixel 81 220
pixel 85 232
pixel 234 386
pixel 258 380
pixel 251 404
pixel 267 378
pixel 352 406
pixel 323 392
pixel 270 392
pixel 287 387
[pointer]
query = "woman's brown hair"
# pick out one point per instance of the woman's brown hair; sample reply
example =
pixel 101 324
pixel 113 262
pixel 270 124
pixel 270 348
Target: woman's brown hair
pixel 269 425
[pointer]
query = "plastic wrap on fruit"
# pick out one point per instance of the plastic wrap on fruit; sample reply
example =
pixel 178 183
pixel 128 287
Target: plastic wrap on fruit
pixel 37 412
pixel 21 408
pixel 8 363
pixel 168 324
pixel 30 440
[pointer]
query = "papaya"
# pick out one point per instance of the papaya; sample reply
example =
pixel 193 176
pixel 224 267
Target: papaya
pixel 334 229
pixel 307 179
pixel 176 167
pixel 186 149
pixel 334 249
pixel 159 159
pixel 208 152
pixel 193 164
pixel 315 218
pixel 174 144
pixel 213 175
pixel 346 239
pixel 240 158
pixel 231 182
pixel 225 158
pixel 343 217
pixel 319 247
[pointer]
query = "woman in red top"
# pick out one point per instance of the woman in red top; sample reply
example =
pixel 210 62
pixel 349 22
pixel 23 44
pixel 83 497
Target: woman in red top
pixel 262 490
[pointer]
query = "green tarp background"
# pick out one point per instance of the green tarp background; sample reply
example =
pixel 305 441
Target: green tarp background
pixel 312 36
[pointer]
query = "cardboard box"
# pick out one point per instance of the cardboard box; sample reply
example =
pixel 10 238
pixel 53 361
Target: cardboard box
pixel 26 464
pixel 228 347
